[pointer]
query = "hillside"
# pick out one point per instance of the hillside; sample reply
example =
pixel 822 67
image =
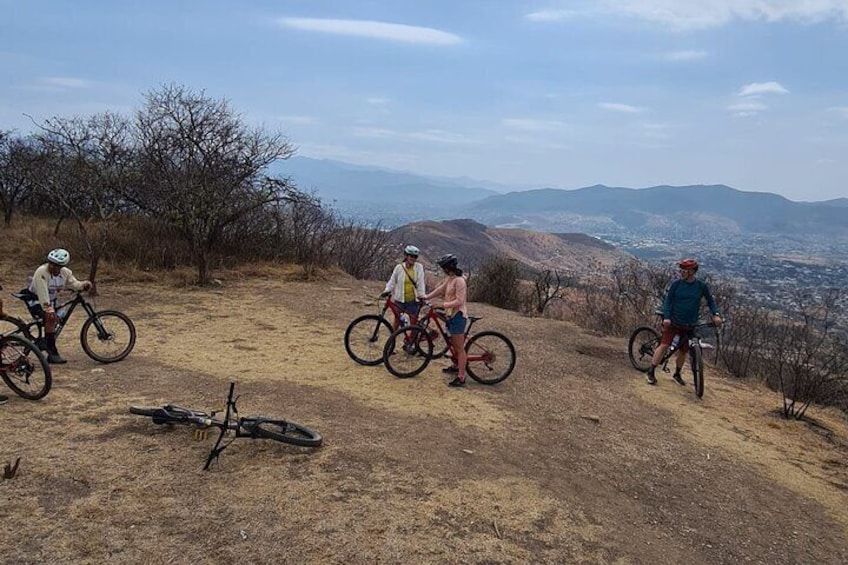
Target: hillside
pixel 573 459
pixel 472 242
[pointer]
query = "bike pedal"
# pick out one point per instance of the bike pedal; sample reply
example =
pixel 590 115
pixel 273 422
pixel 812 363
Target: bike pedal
pixel 200 435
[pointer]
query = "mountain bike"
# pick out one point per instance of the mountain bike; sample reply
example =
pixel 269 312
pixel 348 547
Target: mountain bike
pixel 409 349
pixel 253 427
pixel 23 366
pixel 106 336
pixel 645 340
pixel 363 338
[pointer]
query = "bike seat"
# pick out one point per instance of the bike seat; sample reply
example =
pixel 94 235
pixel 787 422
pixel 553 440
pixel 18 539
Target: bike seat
pixel 25 295
pixel 474 318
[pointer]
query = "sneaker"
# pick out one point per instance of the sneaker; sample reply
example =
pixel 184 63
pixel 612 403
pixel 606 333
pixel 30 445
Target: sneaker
pixel 457 383
pixel 56 359
pixel 451 369
pixel 678 379
pixel 3 398
pixel 652 379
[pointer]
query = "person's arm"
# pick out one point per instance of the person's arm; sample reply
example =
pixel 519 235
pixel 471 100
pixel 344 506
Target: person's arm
pixel 392 282
pixel 71 280
pixel 667 303
pixel 711 304
pixel 40 288
pixel 461 291
pixel 420 284
pixel 438 291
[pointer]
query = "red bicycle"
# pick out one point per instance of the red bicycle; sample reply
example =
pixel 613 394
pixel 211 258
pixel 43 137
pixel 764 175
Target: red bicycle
pixel 363 338
pixel 409 349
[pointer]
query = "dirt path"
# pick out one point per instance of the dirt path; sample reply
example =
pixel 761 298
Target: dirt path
pixel 571 460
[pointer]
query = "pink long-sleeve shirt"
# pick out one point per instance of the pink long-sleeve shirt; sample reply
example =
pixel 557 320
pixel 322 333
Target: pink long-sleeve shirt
pixel 454 290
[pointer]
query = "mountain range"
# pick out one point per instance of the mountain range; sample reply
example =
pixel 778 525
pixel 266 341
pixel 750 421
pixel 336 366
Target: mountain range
pixel 616 214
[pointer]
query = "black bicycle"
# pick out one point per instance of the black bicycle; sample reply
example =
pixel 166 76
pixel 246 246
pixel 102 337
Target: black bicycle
pixel 253 427
pixel 106 336
pixel 645 340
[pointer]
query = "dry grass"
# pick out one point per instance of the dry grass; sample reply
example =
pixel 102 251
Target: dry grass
pixel 573 459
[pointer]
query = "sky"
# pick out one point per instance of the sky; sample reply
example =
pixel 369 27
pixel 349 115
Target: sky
pixel 532 93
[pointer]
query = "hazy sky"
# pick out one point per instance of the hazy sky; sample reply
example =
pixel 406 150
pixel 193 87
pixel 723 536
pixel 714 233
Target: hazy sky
pixel 749 93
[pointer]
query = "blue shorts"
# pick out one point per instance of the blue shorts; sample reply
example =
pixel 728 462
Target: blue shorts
pixel 456 324
pixel 412 308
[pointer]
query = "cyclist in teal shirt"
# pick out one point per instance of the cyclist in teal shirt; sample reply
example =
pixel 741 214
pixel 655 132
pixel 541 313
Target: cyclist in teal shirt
pixel 681 309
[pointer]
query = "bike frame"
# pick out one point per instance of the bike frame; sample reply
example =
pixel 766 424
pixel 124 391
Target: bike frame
pixel 694 341
pixel 439 319
pixel 70 305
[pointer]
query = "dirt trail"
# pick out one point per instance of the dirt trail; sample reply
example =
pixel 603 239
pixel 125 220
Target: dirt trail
pixel 571 460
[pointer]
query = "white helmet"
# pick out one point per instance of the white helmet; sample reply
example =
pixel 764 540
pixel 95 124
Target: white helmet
pixel 412 250
pixel 59 257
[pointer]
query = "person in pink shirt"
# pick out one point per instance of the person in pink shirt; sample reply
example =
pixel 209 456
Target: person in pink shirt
pixel 453 291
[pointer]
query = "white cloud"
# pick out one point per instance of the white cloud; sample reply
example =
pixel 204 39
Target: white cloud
pixel 841 111
pixel 685 55
pixel 623 108
pixel 748 108
pixel 430 135
pixel 550 15
pixel 65 82
pixel 375 30
pixel 531 124
pixel 378 101
pixel 683 15
pixel 757 88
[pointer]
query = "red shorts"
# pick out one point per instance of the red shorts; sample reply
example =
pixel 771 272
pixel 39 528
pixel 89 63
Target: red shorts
pixel 671 331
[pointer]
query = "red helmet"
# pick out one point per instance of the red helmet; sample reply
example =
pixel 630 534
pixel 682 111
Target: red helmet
pixel 688 264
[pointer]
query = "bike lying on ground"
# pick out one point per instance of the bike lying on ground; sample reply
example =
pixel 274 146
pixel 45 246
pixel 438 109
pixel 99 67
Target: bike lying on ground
pixel 23 366
pixel 409 349
pixel 106 336
pixel 364 336
pixel 253 427
pixel 645 340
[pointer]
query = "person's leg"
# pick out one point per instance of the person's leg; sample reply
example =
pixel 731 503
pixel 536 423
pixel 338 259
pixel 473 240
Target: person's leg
pixel 681 359
pixel 53 356
pixel 665 341
pixel 458 345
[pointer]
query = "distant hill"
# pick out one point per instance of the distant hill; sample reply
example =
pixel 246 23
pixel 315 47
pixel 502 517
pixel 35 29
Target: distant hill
pixel 472 242
pixel 603 208
pixel 355 184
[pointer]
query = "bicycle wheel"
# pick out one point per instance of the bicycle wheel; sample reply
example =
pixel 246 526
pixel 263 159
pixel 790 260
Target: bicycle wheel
pixel 643 342
pixel 363 339
pixel 408 351
pixel 696 360
pixel 108 336
pixel 10 325
pixel 280 430
pixel 24 368
pixel 491 357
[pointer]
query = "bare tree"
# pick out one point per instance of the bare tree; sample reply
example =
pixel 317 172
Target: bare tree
pixel 203 167
pixel 549 285
pixel 362 251
pixel 19 160
pixel 86 164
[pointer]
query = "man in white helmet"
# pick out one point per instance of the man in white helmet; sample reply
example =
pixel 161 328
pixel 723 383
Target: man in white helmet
pixel 47 281
pixel 406 285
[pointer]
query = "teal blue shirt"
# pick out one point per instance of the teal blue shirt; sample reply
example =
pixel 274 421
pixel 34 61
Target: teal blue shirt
pixel 682 304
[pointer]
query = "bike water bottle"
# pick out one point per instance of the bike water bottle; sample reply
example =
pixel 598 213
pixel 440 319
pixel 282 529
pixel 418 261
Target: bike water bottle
pixel 675 342
pixel 404 319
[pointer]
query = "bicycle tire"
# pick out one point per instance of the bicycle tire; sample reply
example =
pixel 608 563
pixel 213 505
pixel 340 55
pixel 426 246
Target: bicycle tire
pixel 408 351
pixel 281 430
pixel 21 361
pixel 122 342
pixel 697 365
pixel 495 348
pixel 440 344
pixel 643 342
pixel 10 325
pixel 366 331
